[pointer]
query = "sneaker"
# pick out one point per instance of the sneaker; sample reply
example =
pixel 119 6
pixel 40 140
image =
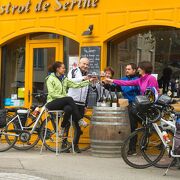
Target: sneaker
pixel 132 153
pixel 62 132
pixel 76 149
pixel 83 123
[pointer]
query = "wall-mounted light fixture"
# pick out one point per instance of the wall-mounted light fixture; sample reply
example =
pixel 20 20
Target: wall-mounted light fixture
pixel 88 31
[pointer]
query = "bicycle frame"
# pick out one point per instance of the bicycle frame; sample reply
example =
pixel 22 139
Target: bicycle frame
pixel 22 127
pixel 158 130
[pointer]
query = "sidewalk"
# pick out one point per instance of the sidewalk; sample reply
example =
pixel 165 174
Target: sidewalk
pixel 73 167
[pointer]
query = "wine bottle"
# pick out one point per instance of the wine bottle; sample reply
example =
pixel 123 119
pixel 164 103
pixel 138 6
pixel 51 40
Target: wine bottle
pixel 104 98
pixel 114 100
pixel 169 92
pixel 109 99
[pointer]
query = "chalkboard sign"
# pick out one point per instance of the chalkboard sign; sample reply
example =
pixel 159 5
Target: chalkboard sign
pixel 93 53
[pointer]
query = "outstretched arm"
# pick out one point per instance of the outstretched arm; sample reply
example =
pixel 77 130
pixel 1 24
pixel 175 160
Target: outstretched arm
pixel 123 82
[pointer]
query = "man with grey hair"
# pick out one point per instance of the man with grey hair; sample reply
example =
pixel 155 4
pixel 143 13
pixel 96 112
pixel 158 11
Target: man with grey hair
pixel 80 94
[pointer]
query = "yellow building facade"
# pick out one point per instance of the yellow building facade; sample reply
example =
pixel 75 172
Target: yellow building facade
pixel 34 33
pixel 70 18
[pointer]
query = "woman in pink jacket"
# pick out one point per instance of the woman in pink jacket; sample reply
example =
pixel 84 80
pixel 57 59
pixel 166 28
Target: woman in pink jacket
pixel 145 81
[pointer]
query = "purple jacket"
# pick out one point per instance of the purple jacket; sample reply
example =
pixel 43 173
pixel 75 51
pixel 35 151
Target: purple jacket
pixel 143 82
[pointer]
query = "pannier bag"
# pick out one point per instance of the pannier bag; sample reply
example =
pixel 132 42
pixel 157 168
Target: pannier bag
pixel 142 103
pixel 3 118
pixel 23 114
pixel 164 99
pixel 177 135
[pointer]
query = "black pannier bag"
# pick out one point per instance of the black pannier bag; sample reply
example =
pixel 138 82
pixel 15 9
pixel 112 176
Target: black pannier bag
pixel 164 99
pixel 142 103
pixel 3 118
pixel 177 135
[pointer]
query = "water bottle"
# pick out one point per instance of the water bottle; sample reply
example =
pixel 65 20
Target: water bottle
pixel 36 112
pixel 165 136
pixel 177 136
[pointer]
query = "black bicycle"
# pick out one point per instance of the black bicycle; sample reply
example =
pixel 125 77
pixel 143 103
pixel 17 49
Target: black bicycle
pixel 148 142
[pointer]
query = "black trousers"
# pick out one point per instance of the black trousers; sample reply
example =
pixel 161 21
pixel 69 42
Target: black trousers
pixel 69 107
pixel 79 132
pixel 133 125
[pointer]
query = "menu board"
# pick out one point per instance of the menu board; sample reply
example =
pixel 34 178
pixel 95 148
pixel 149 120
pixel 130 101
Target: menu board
pixel 93 53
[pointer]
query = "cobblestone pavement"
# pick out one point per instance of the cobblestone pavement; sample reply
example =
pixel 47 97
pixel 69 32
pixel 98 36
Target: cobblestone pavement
pixel 18 176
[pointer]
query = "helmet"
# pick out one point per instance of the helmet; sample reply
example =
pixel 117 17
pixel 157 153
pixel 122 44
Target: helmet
pixel 152 94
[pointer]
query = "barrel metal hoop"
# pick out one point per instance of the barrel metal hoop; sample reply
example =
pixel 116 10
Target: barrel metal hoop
pixel 108 123
pixel 101 141
pixel 107 117
pixel 101 112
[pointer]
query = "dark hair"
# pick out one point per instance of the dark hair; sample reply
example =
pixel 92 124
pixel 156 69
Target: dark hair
pixel 54 66
pixel 133 65
pixel 109 69
pixel 167 71
pixel 146 66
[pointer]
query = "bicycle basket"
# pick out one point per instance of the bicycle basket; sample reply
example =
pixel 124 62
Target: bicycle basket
pixel 142 103
pixel 3 118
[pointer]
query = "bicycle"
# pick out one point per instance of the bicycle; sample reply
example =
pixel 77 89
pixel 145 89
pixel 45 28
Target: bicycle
pixel 23 120
pixel 147 141
pixel 168 146
pixel 45 129
pixel 150 139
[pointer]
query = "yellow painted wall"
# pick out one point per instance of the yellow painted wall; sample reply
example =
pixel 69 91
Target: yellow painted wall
pixel 109 19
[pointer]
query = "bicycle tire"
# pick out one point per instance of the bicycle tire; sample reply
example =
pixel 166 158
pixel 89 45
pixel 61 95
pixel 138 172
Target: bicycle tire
pixel 50 138
pixel 4 145
pixel 23 146
pixel 137 161
pixel 166 160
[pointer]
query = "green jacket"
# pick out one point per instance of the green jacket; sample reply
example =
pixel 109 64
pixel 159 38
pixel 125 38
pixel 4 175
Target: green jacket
pixel 58 89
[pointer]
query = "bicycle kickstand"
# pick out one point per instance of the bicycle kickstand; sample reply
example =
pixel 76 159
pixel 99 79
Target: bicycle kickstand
pixel 168 167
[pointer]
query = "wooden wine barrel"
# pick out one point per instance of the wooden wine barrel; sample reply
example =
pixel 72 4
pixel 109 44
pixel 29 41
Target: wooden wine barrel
pixel 108 129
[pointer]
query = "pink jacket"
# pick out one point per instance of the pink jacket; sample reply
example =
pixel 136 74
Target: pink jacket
pixel 143 82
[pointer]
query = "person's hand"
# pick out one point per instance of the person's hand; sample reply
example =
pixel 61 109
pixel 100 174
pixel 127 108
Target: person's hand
pixel 93 79
pixel 108 81
pixel 86 77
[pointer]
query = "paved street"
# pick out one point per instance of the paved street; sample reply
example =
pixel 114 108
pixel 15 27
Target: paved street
pixel 31 165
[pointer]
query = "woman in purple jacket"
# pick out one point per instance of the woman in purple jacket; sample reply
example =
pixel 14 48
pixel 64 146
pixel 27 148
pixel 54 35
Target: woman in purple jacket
pixel 145 81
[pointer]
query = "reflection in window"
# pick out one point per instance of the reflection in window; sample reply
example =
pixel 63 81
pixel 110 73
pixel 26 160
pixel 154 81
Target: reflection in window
pixel 71 53
pixel 13 60
pixel 161 46
pixel 38 61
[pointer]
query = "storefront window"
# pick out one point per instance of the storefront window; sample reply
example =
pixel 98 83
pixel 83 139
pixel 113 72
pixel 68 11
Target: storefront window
pixel 13 61
pixel 161 46
pixel 71 53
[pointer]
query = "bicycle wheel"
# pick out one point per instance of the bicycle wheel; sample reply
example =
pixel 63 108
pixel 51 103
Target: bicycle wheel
pixel 152 147
pixel 7 133
pixel 165 160
pixel 32 141
pixel 50 138
pixel 137 160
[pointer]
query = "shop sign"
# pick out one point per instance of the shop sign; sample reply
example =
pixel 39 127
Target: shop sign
pixel 45 5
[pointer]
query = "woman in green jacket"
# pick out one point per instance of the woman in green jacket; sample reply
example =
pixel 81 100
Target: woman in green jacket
pixel 57 99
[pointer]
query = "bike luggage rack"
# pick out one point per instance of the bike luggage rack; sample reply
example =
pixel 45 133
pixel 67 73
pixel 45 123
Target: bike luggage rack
pixel 59 114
